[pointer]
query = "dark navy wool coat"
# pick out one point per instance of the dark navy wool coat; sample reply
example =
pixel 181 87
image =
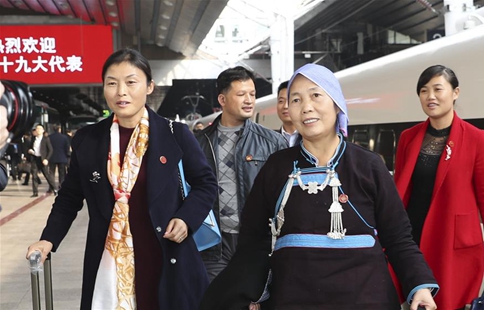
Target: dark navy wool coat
pixel 184 278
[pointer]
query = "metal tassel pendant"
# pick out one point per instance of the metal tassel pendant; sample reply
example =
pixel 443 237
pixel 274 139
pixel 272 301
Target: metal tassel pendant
pixel 336 209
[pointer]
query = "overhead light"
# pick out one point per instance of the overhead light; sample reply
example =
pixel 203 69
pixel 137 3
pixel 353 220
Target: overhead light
pixel 113 14
pixel 166 16
pixel 168 3
pixel 115 24
pixel 159 43
pixel 161 36
pixel 163 27
pixel 110 2
pixel 63 5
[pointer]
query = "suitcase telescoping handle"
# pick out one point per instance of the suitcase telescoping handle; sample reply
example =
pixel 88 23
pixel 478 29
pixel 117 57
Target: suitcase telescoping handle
pixel 35 268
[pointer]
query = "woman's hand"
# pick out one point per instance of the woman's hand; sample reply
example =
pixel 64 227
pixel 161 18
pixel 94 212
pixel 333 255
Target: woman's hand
pixel 42 246
pixel 177 230
pixel 254 306
pixel 423 298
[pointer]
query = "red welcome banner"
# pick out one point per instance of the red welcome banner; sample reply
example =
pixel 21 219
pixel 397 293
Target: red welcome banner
pixel 54 54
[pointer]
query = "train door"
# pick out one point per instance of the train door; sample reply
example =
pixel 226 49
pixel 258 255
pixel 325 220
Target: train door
pixel 361 137
pixel 385 146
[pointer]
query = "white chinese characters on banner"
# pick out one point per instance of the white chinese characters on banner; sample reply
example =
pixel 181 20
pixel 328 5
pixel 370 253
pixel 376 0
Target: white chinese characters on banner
pixel 15 48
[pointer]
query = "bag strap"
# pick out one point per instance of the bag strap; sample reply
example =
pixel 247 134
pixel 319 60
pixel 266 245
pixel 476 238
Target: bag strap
pixel 181 174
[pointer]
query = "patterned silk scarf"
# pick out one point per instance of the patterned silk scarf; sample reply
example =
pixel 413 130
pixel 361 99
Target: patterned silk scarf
pixel 115 287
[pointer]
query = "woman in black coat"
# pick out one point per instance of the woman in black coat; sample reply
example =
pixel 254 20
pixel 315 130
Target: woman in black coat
pixel 140 253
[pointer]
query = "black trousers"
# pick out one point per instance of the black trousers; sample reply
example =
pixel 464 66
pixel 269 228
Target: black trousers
pixel 61 170
pixel 38 166
pixel 229 245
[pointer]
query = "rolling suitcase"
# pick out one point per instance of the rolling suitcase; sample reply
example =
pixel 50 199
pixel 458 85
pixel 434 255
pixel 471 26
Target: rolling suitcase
pixel 35 268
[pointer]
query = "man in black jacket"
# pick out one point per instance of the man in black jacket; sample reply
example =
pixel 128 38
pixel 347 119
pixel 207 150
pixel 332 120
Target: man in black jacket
pixel 236 148
pixel 41 151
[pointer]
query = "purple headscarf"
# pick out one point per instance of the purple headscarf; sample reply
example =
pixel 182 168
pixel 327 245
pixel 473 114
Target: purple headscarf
pixel 325 79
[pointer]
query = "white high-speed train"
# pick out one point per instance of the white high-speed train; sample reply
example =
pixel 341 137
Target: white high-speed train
pixel 381 94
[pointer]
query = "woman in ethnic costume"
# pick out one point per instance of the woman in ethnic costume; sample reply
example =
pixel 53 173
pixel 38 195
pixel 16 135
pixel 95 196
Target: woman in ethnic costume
pixel 439 174
pixel 139 251
pixel 339 218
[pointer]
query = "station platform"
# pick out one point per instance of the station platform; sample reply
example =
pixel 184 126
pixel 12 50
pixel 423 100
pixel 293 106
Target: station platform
pixel 22 220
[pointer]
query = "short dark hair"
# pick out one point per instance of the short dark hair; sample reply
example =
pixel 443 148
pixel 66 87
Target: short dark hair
pixel 133 57
pixel 282 86
pixel 239 73
pixel 437 70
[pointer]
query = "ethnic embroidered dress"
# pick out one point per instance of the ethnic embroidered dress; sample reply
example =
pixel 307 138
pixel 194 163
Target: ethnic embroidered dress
pixel 325 272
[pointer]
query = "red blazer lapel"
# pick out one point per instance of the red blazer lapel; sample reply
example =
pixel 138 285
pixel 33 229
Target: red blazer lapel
pixel 411 152
pixel 448 154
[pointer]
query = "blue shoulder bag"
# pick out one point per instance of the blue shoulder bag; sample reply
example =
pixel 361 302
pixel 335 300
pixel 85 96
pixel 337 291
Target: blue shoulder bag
pixel 208 234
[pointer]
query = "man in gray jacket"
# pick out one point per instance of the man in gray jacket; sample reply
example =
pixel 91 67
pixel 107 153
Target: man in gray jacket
pixel 236 148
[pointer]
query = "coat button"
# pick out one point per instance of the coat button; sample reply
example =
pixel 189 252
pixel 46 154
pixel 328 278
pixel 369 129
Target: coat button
pixel 173 261
pixel 158 229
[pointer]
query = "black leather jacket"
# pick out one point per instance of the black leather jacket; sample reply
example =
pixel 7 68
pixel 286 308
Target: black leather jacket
pixel 254 145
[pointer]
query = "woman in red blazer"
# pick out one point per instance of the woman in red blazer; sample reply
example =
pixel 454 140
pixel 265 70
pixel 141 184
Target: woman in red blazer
pixel 439 174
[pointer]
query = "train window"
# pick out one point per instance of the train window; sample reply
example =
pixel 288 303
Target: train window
pixel 79 121
pixel 385 146
pixel 361 137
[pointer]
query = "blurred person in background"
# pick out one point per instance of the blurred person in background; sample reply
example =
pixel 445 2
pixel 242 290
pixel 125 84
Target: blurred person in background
pixel 139 253
pixel 25 164
pixel 288 130
pixel 198 127
pixel 13 152
pixel 439 173
pixel 61 149
pixel 69 134
pixel 41 151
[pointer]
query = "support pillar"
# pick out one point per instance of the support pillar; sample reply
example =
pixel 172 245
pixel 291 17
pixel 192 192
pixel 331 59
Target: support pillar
pixel 282 50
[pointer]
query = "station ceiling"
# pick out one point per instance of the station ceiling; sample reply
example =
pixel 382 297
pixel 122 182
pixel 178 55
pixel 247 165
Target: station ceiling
pixel 409 17
pixel 176 28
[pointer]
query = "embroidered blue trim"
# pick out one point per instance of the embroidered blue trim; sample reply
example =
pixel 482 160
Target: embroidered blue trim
pixel 312 177
pixel 313 160
pixel 434 288
pixel 323 241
